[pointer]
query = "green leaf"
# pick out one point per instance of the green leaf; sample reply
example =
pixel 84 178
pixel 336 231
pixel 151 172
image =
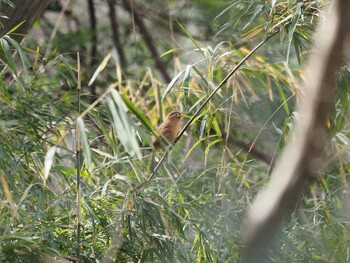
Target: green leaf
pixel 84 142
pixel 100 68
pixel 292 27
pixel 143 118
pixel 169 52
pixel 283 97
pixel 15 27
pixel 125 132
pixel 68 67
pixel 5 48
pixel 171 84
pixel 191 37
pixel 24 59
pixel 258 9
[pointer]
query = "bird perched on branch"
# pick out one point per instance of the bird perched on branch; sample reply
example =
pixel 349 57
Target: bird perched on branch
pixel 166 133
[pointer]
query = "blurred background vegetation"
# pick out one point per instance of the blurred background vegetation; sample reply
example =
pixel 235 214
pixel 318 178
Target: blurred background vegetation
pixel 140 60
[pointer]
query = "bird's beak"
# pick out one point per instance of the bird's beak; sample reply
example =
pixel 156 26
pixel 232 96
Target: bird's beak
pixel 183 114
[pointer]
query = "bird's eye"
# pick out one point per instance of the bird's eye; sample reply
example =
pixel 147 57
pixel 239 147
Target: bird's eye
pixel 176 115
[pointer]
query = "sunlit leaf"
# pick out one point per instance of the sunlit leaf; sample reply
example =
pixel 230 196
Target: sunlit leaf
pixel 100 68
pixel 84 142
pixel 191 37
pixel 15 27
pixel 170 52
pixel 49 159
pixel 171 84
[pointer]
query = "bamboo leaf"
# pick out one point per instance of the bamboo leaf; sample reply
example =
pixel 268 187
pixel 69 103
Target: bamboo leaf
pixel 293 26
pixel 100 68
pixel 191 37
pixel 15 27
pixel 257 10
pixel 143 118
pixel 125 132
pixel 169 52
pixel 171 84
pixel 68 67
pixel 84 142
pixel 49 158
pixel 5 48
pixel 24 59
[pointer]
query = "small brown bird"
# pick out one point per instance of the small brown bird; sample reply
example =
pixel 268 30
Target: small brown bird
pixel 166 133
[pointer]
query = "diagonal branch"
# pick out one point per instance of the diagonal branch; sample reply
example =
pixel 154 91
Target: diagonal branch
pixel 233 71
pixel 250 149
pixel 304 156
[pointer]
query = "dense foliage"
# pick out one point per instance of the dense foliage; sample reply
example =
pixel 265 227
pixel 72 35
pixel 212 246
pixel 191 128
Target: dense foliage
pixel 56 193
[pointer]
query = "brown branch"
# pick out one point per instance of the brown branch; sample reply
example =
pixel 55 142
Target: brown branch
pixel 133 10
pixel 303 156
pixel 247 147
pixel 115 34
pixel 250 148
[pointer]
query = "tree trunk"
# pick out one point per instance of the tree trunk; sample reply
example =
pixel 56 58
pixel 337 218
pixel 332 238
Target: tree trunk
pixel 303 156
pixel 23 10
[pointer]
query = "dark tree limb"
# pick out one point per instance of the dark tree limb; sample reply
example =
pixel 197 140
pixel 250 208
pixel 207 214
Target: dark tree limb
pixel 247 147
pixel 115 33
pixel 93 27
pixel 24 10
pixel 304 156
pixel 133 10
